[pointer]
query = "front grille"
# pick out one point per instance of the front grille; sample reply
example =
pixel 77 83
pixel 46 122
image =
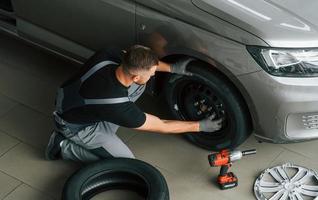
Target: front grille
pixel 302 125
pixel 310 121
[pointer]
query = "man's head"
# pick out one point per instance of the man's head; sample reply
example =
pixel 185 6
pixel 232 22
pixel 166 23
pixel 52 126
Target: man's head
pixel 140 63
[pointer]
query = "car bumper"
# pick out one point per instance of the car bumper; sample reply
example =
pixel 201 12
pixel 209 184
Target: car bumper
pixel 286 108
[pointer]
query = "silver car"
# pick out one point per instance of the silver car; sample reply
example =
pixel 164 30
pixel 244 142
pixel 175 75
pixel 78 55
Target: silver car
pixel 256 62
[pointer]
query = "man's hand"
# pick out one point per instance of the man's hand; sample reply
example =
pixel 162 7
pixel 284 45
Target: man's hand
pixel 180 67
pixel 157 125
pixel 208 125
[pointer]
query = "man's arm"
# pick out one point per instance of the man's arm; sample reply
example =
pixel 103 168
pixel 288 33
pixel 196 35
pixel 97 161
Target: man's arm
pixel 155 124
pixel 163 67
pixel 178 67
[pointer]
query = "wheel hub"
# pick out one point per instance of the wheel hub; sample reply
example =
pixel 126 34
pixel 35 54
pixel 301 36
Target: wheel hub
pixel 204 108
pixel 198 101
pixel 289 186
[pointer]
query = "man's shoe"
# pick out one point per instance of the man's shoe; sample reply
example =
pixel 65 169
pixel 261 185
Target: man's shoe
pixel 53 149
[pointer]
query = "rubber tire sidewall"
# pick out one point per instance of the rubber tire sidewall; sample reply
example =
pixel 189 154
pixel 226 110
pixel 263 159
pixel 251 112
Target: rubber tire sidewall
pixel 229 95
pixel 155 182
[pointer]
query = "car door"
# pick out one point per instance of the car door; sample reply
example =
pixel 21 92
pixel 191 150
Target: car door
pixel 75 24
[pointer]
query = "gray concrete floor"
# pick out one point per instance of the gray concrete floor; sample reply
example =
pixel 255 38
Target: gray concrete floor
pixel 29 79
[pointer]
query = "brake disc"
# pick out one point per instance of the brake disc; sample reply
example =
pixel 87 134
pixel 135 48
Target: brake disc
pixel 287 182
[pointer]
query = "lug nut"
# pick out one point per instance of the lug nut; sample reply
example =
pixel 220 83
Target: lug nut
pixel 212 116
pixel 199 112
pixel 202 101
pixel 210 108
pixel 196 103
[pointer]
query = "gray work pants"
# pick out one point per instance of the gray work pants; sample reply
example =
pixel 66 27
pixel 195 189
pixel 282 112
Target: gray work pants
pixel 94 142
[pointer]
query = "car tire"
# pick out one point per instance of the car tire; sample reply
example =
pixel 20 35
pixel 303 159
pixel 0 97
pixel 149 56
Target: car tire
pixel 116 173
pixel 185 96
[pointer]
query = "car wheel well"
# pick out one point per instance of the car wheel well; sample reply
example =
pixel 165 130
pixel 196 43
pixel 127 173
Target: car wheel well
pixel 214 69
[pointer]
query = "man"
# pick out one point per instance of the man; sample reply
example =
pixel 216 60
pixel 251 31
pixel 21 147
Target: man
pixel 93 104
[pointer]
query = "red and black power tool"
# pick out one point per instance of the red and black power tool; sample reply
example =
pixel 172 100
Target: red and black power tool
pixel 225 158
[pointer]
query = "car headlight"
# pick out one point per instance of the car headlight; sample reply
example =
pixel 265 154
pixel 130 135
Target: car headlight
pixel 286 62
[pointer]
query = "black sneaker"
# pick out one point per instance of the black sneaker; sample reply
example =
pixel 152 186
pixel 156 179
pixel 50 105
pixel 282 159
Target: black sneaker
pixel 53 149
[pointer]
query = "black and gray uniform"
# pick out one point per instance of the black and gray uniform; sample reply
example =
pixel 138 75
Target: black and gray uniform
pixel 92 105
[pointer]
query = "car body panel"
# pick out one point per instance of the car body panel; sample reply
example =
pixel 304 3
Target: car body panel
pixel 168 36
pixel 280 23
pixel 184 11
pixel 76 23
pixel 53 41
pixel 278 98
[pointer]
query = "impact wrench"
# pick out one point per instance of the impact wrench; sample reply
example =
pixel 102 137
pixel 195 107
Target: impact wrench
pixel 225 158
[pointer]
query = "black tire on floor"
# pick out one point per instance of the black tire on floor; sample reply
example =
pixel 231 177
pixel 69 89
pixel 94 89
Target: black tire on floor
pixel 116 173
pixel 184 95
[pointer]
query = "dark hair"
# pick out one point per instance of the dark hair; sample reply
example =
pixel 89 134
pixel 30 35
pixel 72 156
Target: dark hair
pixel 139 57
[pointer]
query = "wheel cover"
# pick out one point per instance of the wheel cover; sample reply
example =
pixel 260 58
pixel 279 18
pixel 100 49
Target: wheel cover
pixel 195 101
pixel 287 182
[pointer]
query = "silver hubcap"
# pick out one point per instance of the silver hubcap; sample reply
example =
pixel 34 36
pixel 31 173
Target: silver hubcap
pixel 287 182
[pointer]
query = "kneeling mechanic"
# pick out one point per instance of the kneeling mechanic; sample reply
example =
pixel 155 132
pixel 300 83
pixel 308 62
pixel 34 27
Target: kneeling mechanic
pixel 96 101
